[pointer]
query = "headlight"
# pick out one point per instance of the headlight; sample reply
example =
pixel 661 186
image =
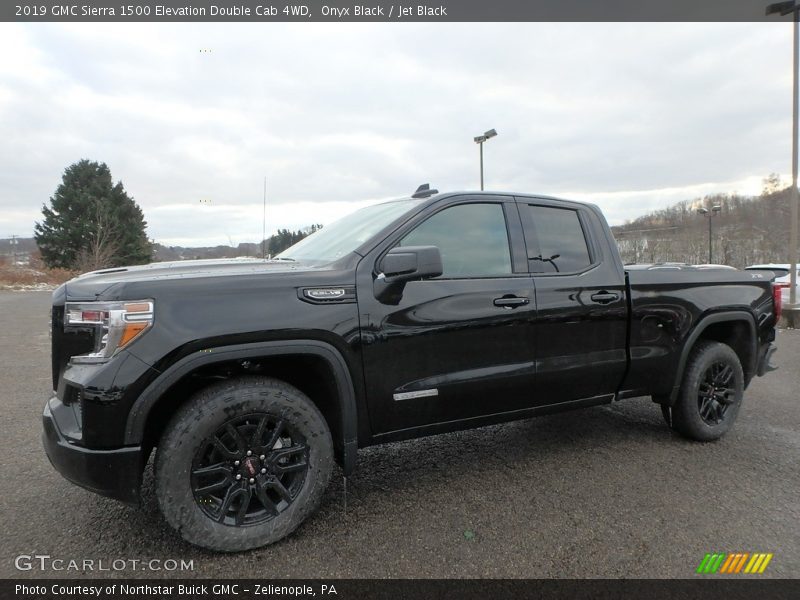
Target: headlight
pixel 116 325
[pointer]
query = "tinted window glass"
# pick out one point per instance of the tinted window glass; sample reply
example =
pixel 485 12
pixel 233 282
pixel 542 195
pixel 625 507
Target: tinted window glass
pixel 345 235
pixel 561 241
pixel 471 237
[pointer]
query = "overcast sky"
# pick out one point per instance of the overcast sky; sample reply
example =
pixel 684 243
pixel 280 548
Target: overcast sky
pixel 630 116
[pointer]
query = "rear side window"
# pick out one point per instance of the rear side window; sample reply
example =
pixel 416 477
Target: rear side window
pixel 562 242
pixel 472 238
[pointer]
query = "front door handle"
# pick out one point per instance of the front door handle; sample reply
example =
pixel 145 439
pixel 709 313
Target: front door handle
pixel 604 297
pixel 511 301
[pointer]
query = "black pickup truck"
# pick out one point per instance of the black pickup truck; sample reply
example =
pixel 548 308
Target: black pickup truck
pixel 428 314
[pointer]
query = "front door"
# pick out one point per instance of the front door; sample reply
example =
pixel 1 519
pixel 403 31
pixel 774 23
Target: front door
pixel 456 346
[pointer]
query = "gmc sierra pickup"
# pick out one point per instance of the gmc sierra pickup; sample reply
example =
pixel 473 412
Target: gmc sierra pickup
pixel 429 314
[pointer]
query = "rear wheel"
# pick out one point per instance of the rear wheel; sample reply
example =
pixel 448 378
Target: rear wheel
pixel 243 464
pixel 711 393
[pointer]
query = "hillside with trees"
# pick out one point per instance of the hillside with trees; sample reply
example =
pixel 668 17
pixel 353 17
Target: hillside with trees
pixel 746 230
pixel 276 243
pixel 93 223
pixel 284 239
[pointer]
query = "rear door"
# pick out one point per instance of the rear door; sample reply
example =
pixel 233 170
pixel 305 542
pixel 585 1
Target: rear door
pixel 581 320
pixel 456 346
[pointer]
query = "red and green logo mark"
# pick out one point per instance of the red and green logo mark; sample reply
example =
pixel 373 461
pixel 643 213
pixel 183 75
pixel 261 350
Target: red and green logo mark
pixel 737 562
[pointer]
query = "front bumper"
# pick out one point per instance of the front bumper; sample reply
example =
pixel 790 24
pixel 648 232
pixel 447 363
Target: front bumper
pixel 116 473
pixel 764 359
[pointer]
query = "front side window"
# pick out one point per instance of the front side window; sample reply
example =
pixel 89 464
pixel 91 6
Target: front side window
pixel 562 243
pixel 472 238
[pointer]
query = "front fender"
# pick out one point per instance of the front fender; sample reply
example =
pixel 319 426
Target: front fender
pixel 137 418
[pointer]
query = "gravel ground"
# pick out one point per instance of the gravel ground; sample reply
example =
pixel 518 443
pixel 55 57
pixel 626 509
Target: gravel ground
pixel 602 492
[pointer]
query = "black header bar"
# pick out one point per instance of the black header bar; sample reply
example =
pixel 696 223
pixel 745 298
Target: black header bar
pixel 396 11
pixel 391 589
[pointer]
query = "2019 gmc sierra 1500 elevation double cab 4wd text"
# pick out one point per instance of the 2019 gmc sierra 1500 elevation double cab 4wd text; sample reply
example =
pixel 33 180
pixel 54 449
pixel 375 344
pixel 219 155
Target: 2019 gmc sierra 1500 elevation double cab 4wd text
pixel 424 315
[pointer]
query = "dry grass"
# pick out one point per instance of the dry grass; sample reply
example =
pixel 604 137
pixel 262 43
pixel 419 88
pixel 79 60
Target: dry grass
pixel 21 277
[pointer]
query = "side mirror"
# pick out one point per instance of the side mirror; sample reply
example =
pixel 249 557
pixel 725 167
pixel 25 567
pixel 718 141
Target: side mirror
pixel 411 262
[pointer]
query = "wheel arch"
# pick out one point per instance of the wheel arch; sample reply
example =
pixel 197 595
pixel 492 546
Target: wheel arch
pixel 155 404
pixel 737 329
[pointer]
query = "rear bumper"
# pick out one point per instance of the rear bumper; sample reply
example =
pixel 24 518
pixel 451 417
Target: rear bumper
pixel 764 359
pixel 116 473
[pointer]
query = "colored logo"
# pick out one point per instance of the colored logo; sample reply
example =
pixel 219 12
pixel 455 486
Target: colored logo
pixel 738 562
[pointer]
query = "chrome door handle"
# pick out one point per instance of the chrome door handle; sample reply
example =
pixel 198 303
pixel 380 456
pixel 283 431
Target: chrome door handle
pixel 604 297
pixel 511 301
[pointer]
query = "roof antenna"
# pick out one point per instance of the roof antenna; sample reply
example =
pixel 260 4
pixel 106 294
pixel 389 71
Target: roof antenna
pixel 424 191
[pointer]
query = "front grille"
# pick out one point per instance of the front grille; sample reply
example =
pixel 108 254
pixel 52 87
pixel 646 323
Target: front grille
pixel 56 336
pixel 72 395
pixel 66 344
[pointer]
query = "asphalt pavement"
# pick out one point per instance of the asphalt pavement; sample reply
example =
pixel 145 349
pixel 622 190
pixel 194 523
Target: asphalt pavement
pixel 600 492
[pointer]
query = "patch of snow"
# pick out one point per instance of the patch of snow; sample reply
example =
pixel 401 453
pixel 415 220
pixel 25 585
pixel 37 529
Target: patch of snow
pixel 28 287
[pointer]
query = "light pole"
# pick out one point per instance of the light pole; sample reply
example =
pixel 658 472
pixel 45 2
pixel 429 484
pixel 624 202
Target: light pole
pixel 785 8
pixel 479 140
pixel 708 215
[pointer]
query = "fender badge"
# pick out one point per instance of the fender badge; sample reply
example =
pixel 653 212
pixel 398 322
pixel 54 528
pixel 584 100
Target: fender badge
pixel 325 293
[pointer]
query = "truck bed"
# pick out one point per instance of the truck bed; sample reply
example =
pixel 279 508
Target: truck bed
pixel 665 307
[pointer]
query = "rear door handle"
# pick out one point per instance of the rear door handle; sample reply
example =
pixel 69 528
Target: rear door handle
pixel 511 301
pixel 604 297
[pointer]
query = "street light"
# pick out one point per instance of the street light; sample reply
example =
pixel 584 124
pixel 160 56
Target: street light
pixel 479 140
pixel 785 8
pixel 708 215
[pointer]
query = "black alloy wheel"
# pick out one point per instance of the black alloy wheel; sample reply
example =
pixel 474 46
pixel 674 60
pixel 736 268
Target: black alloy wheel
pixel 711 392
pixel 250 470
pixel 242 464
pixel 716 393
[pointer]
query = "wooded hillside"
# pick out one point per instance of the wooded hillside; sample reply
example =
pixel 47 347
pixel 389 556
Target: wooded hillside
pixel 747 230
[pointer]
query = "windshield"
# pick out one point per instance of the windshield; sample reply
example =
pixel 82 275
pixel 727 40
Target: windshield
pixel 345 235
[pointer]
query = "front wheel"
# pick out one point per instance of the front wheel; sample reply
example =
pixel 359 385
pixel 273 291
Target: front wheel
pixel 711 393
pixel 243 464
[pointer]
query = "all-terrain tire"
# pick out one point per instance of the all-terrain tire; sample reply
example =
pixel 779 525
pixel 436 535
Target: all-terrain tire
pixel 220 425
pixel 711 393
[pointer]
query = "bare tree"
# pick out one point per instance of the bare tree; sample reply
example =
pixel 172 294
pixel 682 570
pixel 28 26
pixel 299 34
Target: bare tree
pixel 102 245
pixel 772 183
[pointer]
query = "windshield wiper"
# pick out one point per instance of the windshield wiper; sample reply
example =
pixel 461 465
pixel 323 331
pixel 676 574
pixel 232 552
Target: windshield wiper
pixel 284 258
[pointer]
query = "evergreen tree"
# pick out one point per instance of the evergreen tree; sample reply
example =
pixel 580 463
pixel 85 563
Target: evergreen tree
pixel 91 223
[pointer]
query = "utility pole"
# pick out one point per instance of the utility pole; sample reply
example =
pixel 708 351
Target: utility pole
pixel 792 312
pixel 14 243
pixel 264 224
pixel 784 8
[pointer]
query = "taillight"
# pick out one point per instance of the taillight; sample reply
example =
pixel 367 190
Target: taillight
pixel 777 299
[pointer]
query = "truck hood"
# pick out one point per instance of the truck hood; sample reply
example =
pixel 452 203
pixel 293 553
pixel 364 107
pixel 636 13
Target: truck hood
pixel 93 284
